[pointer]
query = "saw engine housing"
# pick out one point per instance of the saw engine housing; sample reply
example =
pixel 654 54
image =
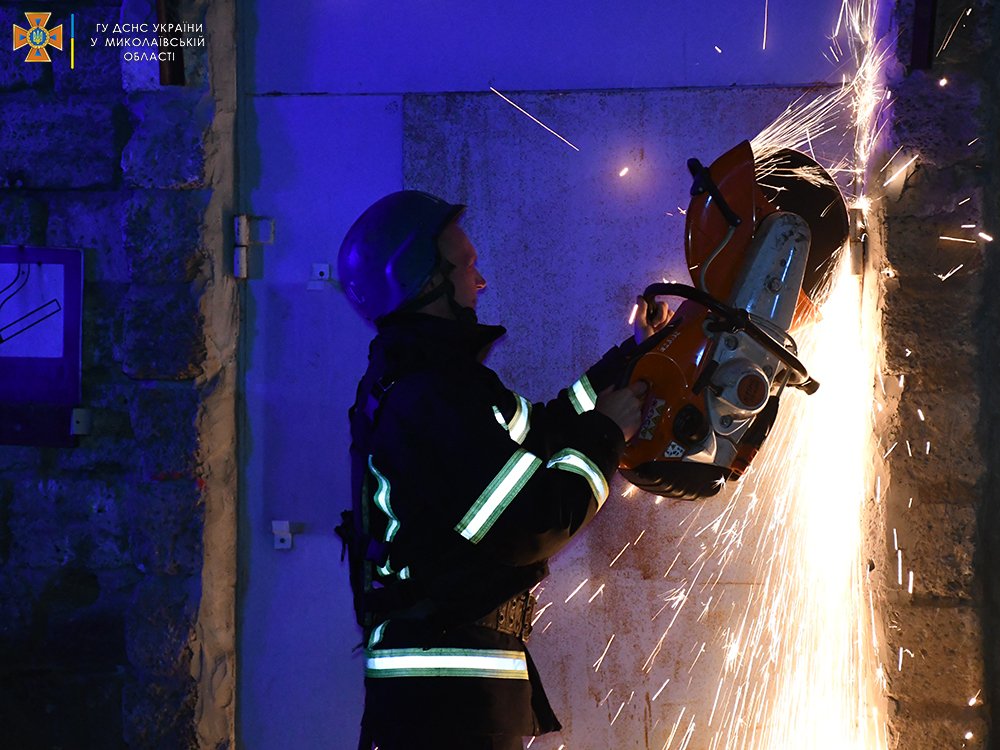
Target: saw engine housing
pixel 717 370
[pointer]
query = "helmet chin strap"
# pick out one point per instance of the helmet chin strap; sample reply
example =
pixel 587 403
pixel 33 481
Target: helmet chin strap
pixel 446 288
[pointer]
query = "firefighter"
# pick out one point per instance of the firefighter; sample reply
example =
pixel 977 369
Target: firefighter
pixel 462 489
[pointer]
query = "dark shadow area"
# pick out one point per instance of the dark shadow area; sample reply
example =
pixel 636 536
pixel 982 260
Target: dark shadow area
pixel 988 429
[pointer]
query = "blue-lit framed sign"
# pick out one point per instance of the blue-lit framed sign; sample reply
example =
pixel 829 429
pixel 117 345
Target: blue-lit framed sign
pixel 41 325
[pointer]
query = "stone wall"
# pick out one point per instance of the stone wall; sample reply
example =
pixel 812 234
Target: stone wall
pixel 117 557
pixel 940 358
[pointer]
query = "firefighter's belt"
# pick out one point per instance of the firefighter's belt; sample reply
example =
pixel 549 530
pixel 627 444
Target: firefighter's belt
pixel 512 617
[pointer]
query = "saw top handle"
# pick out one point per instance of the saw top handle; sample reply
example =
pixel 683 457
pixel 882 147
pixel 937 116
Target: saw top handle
pixel 703 182
pixel 734 320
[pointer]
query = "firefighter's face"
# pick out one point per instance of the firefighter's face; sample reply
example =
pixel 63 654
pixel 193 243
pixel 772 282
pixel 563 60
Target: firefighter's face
pixel 456 248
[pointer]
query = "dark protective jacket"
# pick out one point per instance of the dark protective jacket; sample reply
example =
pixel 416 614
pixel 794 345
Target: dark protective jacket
pixel 464 490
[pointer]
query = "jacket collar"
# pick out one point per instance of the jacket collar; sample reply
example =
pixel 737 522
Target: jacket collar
pixel 441 336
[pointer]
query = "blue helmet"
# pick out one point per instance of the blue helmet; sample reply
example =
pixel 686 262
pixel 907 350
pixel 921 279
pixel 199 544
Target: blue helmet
pixel 391 251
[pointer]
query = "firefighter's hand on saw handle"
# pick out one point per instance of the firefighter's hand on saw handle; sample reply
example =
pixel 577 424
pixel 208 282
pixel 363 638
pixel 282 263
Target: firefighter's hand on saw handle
pixel 624 406
pixel 650 317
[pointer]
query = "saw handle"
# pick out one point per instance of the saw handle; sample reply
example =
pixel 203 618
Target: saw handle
pixel 703 183
pixel 735 320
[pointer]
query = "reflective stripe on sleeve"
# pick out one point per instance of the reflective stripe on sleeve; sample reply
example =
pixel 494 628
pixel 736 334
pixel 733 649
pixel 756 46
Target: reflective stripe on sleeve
pixel 582 396
pixel 519 423
pixel 446 662
pixel 495 498
pixel 574 461
pixel 382 501
pixel 377 634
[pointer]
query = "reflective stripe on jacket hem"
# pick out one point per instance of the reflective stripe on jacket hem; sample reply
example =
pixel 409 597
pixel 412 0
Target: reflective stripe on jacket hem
pixel 446 662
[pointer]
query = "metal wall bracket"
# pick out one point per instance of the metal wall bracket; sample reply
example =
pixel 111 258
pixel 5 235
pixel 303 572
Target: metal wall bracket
pixel 859 241
pixel 282 531
pixel 249 231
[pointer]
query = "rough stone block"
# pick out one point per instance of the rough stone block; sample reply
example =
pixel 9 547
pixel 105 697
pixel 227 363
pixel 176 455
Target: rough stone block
pixel 159 624
pixel 103 305
pixel 165 527
pixel 19 459
pixel 936 193
pixel 159 714
pixel 163 420
pixel 943 344
pixel 145 75
pixel 53 709
pixel 19 591
pixel 110 448
pixel 946 666
pixel 937 542
pixel 22 219
pixel 167 146
pixel 109 456
pixel 162 338
pixel 937 431
pixel 90 220
pixel 141 75
pixel 103 325
pixel 162 234
pixel 64 143
pixel 937 121
pixel 97 68
pixel 917 253
pixel 56 522
pixel 922 730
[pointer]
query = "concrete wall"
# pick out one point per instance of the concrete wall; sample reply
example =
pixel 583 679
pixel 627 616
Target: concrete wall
pixel 939 318
pixel 117 557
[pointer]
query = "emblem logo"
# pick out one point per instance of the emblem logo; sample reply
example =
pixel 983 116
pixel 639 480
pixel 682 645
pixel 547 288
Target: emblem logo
pixel 652 420
pixel 36 37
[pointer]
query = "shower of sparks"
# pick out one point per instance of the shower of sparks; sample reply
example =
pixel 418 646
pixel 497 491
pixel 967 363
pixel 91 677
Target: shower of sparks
pixel 596 594
pixel 631 317
pixel 952 272
pixel 964 201
pixel 657 693
pixel 764 45
pixel 956 239
pixel 539 613
pixel 886 165
pixel 612 563
pixel 600 659
pixel 528 114
pixel 899 171
pixel 718 49
pixel 790 656
pixel 623 172
pixel 947 39
pixel 987 237
pixel 576 590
